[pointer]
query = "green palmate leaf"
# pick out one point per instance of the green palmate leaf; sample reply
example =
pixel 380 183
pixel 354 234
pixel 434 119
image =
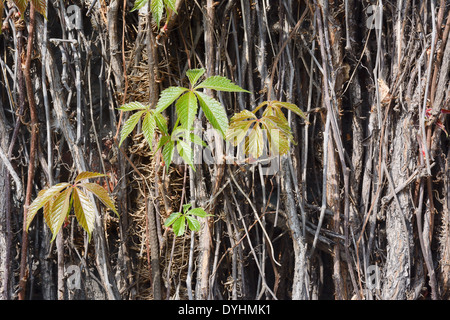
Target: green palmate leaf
pixel 220 83
pixel 88 175
pixel 161 122
pixel 84 211
pixel 129 125
pixel 59 211
pixel 171 4
pixel 133 106
pixel 138 4
pixel 194 75
pixel 168 96
pixel 167 152
pixel 162 142
pixel 101 194
pixel 199 212
pixel 186 207
pixel 157 8
pixel 179 225
pixel 148 128
pixel 172 218
pixel 214 112
pixel 187 109
pixel 42 199
pixel 185 152
pixel 193 224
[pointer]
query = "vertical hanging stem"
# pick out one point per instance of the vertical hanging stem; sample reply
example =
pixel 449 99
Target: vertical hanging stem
pixel 33 146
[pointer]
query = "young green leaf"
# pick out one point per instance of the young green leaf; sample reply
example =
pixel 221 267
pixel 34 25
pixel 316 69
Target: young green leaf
pixel 167 152
pixel 42 199
pixel 199 212
pixel 187 109
pixel 214 112
pixel 148 128
pixel 157 8
pixel 129 125
pixel 133 106
pixel 179 225
pixel 186 207
pixel 172 218
pixel 101 194
pixel 84 211
pixel 193 224
pixel 171 4
pixel 220 83
pixel 168 96
pixel 138 4
pixel 185 152
pixel 161 122
pixel 194 75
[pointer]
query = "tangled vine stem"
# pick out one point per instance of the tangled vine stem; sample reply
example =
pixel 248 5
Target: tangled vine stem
pixel 364 185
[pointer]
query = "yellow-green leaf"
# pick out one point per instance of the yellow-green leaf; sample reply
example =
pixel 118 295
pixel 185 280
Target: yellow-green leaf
pixel 84 211
pixel 101 194
pixel 42 199
pixel 59 210
pixel 88 175
pixel 254 145
pixel 237 131
pixel 292 107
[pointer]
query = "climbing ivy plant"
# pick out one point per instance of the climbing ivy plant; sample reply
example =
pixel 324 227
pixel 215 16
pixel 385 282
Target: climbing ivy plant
pixel 246 124
pixel 58 200
pixel 156 7
pixel 187 102
pixel 178 220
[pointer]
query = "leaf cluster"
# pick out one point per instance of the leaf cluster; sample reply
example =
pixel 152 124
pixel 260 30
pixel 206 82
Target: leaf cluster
pixel 58 200
pixel 178 220
pixel 273 122
pixel 187 102
pixel 156 7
